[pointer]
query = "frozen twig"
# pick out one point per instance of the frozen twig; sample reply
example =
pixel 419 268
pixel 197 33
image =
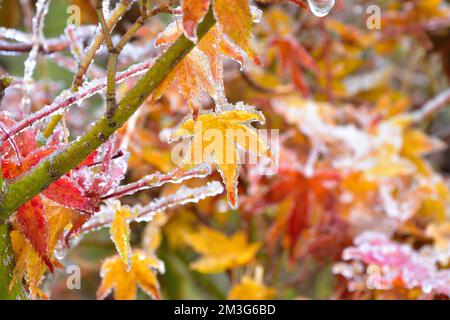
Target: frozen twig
pixel 66 99
pixel 432 106
pixel 158 179
pixel 30 63
pixel 145 213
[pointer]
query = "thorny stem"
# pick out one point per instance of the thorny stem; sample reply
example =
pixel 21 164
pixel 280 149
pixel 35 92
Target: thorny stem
pixel 61 162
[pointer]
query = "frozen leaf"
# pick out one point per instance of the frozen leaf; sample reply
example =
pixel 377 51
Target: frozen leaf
pixel 29 264
pixel 143 272
pixel 220 252
pixel 120 232
pixel 193 13
pixel 214 136
pixel 33 224
pixel 235 21
pixel 68 194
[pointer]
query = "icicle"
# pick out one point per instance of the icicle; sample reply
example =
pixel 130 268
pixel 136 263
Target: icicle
pixel 321 8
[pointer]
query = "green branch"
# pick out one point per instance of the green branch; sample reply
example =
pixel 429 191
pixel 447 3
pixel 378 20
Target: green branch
pixel 58 164
pixel 6 266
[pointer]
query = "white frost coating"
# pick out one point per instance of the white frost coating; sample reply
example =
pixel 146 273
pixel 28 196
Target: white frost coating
pixel 16 35
pixel 105 6
pixel 146 213
pixel 181 196
pixel 30 63
pixel 68 98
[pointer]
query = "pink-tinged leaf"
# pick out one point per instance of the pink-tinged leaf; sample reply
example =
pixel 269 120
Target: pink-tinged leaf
pixel 64 192
pixel 397 263
pixel 33 224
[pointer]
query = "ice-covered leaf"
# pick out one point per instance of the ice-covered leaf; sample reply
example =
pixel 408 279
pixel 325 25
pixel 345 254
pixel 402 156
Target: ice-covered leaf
pixel 29 264
pixel 120 232
pixel 193 13
pixel 143 273
pixel 33 224
pixel 215 136
pixel 235 20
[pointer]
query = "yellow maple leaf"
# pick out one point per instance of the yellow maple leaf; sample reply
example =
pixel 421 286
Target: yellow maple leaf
pixel 152 234
pixel 219 251
pixel 215 136
pixel 28 263
pixel 252 288
pixel 120 232
pixel 142 273
pixel 181 223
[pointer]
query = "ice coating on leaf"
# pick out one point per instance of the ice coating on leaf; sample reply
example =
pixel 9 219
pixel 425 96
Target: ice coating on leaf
pixel 120 231
pixel 193 12
pixel 395 262
pixel 217 137
pixel 101 183
pixel 124 283
pixel 321 8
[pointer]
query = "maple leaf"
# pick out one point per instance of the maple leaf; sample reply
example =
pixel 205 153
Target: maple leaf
pixel 202 69
pixel 193 13
pixel 152 234
pixel 33 224
pixel 215 137
pixel 220 252
pixel 294 57
pixel 251 288
pixel 120 232
pixel 124 283
pixel 235 20
pixel 296 195
pixel 29 263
